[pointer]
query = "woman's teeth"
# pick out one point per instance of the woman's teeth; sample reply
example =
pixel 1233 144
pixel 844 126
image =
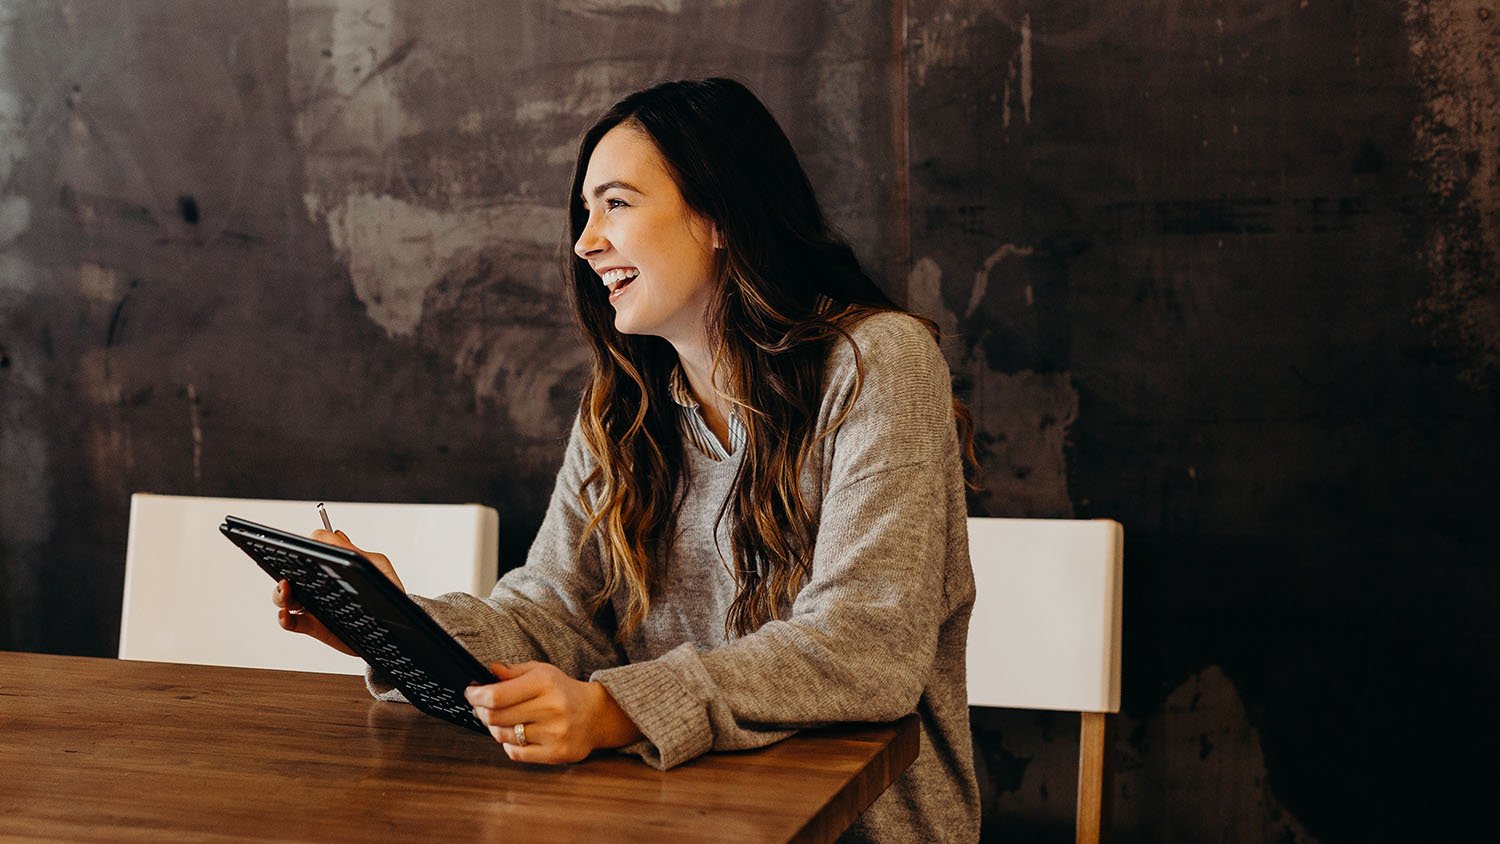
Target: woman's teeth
pixel 614 277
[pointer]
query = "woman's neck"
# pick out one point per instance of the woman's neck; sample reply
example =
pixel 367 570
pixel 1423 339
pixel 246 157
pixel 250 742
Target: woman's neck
pixel 697 367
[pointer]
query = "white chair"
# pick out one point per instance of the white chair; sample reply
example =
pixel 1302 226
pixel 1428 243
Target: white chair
pixel 1046 633
pixel 192 596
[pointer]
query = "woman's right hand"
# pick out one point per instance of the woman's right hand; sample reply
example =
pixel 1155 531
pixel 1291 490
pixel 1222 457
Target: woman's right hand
pixel 292 616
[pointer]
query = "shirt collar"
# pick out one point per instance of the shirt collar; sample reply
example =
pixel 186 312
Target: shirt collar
pixel 678 388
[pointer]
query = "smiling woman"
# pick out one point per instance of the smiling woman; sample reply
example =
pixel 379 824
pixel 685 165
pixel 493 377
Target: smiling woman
pixel 759 524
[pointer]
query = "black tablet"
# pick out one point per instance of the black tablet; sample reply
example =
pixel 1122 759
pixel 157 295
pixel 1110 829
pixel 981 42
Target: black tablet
pixel 371 615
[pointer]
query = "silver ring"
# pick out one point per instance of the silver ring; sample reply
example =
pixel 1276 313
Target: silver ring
pixel 520 732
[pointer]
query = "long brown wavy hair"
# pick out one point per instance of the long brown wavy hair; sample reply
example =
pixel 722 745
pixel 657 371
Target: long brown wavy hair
pixel 788 287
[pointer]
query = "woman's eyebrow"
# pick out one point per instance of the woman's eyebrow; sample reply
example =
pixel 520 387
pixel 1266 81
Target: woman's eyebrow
pixel 600 189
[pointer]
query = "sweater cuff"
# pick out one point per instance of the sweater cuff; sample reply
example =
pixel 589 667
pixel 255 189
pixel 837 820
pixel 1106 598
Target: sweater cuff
pixel 663 707
pixel 380 686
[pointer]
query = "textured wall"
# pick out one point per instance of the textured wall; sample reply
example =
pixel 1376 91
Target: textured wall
pixel 1225 271
pixel 1244 256
pixel 310 249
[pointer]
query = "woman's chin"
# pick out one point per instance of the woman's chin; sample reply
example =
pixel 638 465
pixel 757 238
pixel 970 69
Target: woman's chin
pixel 625 325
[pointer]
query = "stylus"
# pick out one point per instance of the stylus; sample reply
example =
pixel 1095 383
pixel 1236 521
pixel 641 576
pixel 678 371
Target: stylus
pixel 327 525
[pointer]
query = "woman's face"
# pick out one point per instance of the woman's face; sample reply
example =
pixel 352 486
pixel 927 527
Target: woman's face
pixel 652 252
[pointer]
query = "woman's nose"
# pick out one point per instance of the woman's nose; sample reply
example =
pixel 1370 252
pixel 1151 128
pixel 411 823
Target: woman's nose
pixel 589 241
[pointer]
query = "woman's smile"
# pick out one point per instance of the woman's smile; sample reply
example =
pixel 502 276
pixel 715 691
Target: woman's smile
pixel 614 277
pixel 617 279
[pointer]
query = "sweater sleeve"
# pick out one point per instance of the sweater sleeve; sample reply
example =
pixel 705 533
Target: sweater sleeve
pixel 860 641
pixel 538 611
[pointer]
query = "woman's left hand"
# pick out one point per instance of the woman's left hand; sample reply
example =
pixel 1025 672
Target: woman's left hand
pixel 564 719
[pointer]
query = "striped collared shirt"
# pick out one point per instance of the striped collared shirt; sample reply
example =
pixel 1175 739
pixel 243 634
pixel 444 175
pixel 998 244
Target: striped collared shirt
pixel 696 425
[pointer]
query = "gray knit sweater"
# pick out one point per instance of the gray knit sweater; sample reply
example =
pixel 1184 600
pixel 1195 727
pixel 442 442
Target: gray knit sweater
pixel 877 632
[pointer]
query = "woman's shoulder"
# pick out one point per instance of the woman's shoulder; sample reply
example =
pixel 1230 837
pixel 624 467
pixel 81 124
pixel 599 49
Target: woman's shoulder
pixel 887 339
pixel 888 360
pixel 891 326
pixel 892 403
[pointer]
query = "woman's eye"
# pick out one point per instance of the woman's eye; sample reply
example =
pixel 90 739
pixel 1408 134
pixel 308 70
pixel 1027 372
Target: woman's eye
pixel 615 203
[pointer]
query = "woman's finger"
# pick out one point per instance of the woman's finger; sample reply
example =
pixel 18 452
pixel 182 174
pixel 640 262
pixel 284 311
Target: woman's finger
pixel 506 735
pixel 527 712
pixel 530 753
pixel 514 685
pixel 512 734
pixel 378 560
pixel 281 596
pixel 544 752
pixel 308 625
pixel 333 538
pixel 298 622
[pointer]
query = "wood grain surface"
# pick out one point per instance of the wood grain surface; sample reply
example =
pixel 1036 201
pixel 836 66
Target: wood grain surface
pixel 102 749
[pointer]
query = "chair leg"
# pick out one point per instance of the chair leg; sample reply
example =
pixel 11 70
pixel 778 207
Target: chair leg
pixel 1093 778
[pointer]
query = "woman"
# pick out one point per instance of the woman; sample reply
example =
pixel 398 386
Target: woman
pixel 759 524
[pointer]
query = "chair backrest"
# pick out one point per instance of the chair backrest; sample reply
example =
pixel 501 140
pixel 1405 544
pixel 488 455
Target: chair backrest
pixel 1045 633
pixel 192 596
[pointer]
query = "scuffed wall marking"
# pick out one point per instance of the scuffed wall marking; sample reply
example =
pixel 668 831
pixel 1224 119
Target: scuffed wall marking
pixel 982 278
pixel 593 88
pixel 343 99
pixel 632 7
pixel 1021 418
pixel 940 42
pixel 15 210
pixel 1019 76
pixel 195 421
pixel 621 7
pixel 1201 744
pixel 508 371
pixel 15 218
pixel 26 517
pixel 98 284
pixel 1452 44
pixel 924 294
pixel 1214 757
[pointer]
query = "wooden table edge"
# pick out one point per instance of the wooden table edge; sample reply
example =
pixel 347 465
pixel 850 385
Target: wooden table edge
pixel 835 817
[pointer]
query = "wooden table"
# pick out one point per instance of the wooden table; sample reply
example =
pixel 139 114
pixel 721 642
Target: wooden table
pixel 111 750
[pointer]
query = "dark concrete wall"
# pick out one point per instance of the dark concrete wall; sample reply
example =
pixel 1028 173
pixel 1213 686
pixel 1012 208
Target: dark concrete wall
pixel 1245 254
pixel 1223 271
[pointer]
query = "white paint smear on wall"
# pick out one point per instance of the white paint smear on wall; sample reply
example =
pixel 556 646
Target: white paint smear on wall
pixel 1018 77
pixel 595 87
pixel 395 250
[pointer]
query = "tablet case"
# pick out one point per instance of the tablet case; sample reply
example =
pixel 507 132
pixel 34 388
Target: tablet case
pixel 371 615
